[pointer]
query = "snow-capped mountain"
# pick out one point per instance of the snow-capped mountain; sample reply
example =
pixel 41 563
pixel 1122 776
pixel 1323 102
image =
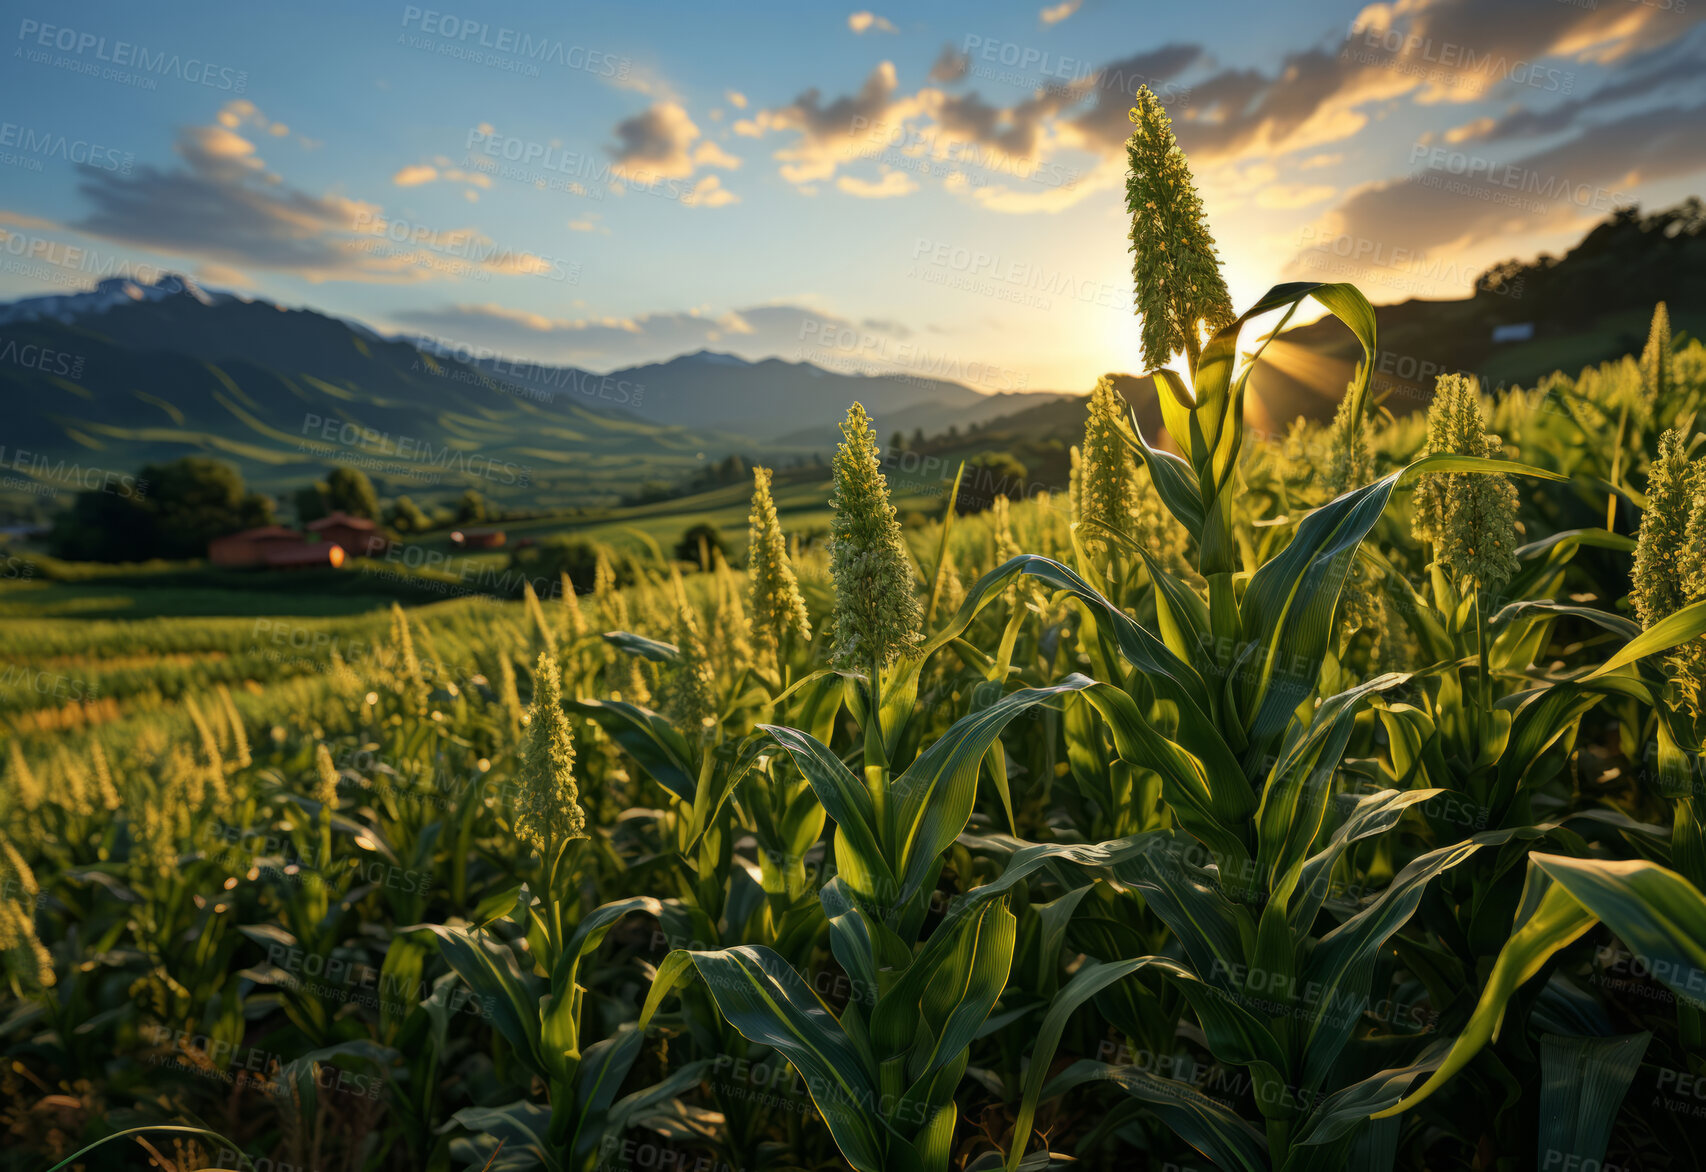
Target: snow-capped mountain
pixel 107 295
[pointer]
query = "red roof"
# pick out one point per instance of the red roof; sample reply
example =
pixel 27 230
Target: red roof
pixel 340 519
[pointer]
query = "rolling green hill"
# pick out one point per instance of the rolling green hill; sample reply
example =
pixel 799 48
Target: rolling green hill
pixel 90 396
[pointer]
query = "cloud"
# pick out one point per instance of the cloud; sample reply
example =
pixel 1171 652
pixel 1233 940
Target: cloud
pixel 1294 195
pixel 1055 13
pixel 220 205
pixel 1661 71
pixel 831 134
pixel 709 192
pixel 657 140
pixel 736 99
pixel 864 22
pixel 1105 127
pixel 1406 223
pixel 440 170
pixel 950 65
pixel 709 154
pixel 659 144
pixel 893 183
pixel 604 343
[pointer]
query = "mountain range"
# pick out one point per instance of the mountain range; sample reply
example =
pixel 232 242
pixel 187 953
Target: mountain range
pixel 127 373
pixel 101 382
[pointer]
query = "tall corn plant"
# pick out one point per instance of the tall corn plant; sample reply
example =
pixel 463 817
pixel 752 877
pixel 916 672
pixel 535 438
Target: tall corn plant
pixel 528 979
pixel 883 1073
pixel 1220 700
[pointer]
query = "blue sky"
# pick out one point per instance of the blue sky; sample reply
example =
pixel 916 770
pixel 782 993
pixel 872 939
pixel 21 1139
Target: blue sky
pixel 937 190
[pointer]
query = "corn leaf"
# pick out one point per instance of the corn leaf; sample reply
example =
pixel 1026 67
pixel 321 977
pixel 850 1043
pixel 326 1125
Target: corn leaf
pixel 1212 1129
pixel 762 996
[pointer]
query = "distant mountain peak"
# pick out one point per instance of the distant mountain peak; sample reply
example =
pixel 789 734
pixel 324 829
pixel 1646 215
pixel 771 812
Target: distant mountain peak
pixel 713 357
pixel 107 294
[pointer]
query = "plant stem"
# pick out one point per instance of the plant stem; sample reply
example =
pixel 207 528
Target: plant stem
pixel 876 755
pixel 1483 706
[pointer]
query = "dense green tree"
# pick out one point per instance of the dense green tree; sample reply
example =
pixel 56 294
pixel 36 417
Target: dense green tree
pixel 349 490
pixel 404 516
pixel 104 527
pixel 472 507
pixel 989 475
pixel 310 502
pixel 697 543
pixel 185 504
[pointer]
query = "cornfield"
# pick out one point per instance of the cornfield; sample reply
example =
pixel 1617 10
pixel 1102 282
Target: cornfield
pixel 1328 800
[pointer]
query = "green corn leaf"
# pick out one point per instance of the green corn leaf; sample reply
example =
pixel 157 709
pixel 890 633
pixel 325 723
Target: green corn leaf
pixel 630 1108
pixel 1678 628
pixel 603 1067
pixel 1173 678
pixel 759 994
pixel 510 995
pixel 1182 615
pixel 1205 787
pixel 1342 963
pixel 1214 1130
pixel 947 1003
pixel 1615 623
pixel 1215 933
pixel 1294 801
pixel 650 739
pixel 1334 1119
pixel 1555 919
pixel 1234 1034
pixel 1583 1081
pixel 1373 814
pixel 932 801
pixel 1175 482
pixel 1659 915
pixel 1543 720
pixel 1287 611
pixel 510 1138
pixel 653 649
pixel 1209 426
pixel 592 930
pixel 859 856
pixel 1592 538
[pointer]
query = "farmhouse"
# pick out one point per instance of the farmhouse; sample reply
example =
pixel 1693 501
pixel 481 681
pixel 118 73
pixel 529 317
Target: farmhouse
pixel 359 536
pixel 478 538
pixel 251 546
